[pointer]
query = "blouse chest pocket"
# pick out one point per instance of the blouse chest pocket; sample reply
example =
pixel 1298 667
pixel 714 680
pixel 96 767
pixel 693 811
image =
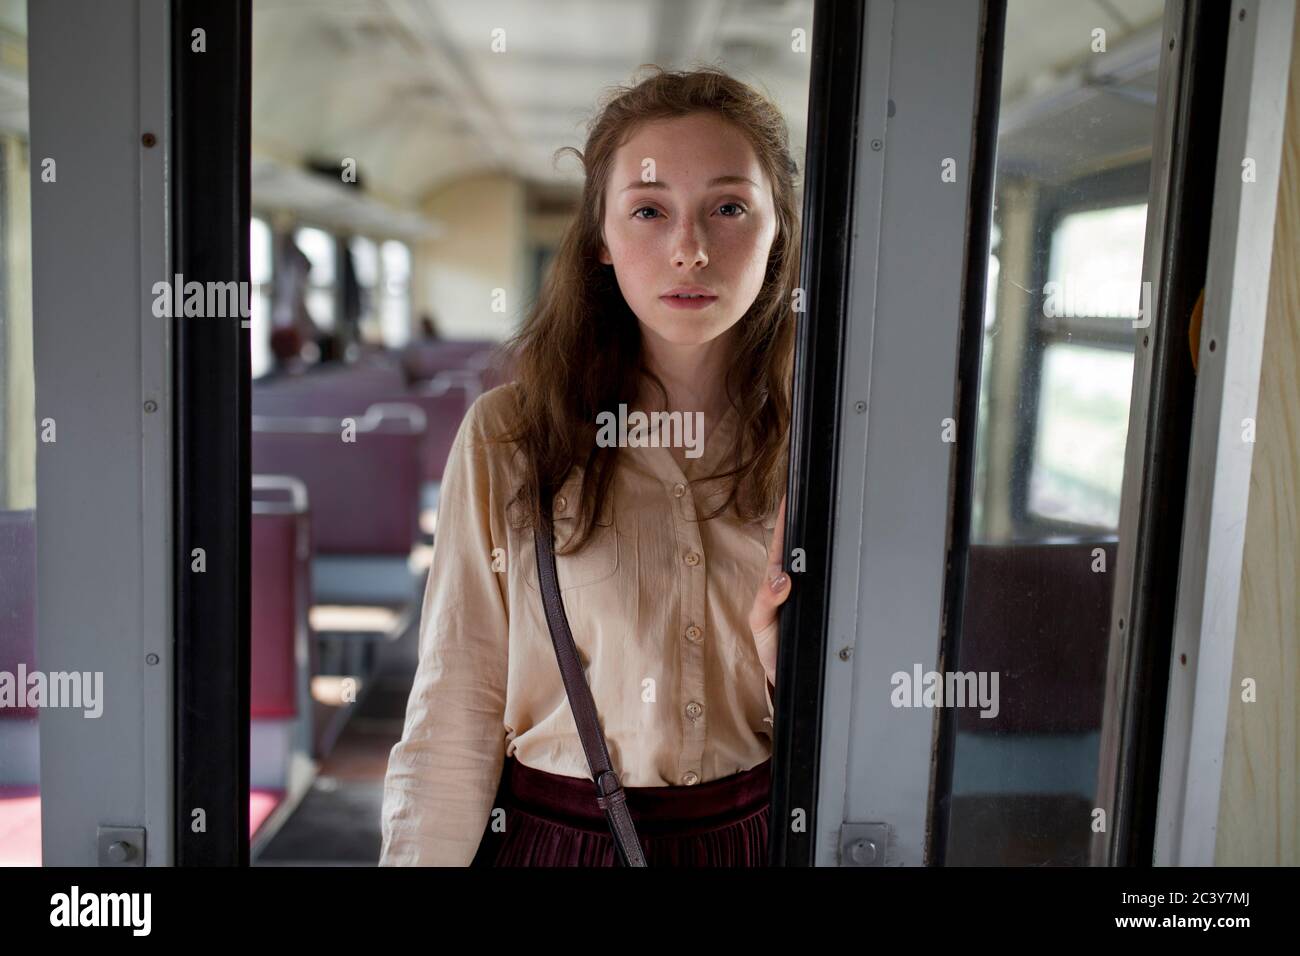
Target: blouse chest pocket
pixel 598 560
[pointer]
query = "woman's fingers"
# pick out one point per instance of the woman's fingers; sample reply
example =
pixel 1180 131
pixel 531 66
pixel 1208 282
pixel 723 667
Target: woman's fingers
pixel 774 550
pixel 775 587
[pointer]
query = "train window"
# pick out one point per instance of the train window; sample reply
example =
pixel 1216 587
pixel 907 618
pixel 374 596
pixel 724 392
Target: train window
pixel 1075 135
pixel 320 249
pixel 259 250
pixel 20 795
pixel 1082 426
pixel 1094 275
pixel 365 268
pixel 395 303
pixel 1095 268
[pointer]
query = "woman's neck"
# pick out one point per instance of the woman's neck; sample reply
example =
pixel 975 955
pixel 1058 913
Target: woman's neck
pixel 694 376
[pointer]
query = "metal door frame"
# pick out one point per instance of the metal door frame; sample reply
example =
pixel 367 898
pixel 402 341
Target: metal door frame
pixel 98 108
pixel 871 600
pixel 211 123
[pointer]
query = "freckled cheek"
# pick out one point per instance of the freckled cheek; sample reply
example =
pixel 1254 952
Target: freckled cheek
pixel 743 258
pixel 632 249
pixel 634 264
pixel 626 251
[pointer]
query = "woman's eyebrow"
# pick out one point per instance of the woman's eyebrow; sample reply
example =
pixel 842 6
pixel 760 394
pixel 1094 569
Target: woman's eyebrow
pixel 717 181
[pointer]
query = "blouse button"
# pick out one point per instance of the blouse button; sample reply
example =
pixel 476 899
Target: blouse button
pixel 693 633
pixel 693 710
pixel 561 502
pixel 690 778
pixel 679 489
pixel 692 558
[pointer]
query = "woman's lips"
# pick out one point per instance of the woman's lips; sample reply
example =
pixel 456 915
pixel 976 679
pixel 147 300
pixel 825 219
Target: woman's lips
pixel 696 302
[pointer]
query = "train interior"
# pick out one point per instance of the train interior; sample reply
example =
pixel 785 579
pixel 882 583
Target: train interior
pixel 406 201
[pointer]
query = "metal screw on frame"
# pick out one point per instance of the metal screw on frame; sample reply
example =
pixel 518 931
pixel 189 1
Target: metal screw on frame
pixel 864 852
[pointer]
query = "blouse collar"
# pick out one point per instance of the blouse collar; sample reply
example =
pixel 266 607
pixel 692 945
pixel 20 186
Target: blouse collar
pixel 715 447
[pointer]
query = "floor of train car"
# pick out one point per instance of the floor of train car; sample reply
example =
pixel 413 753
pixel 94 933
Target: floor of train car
pixel 337 821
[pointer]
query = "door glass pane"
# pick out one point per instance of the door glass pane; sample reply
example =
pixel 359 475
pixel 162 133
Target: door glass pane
pixel 1074 149
pixel 20 802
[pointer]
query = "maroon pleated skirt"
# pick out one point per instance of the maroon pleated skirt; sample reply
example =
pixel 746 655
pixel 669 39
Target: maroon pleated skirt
pixel 553 820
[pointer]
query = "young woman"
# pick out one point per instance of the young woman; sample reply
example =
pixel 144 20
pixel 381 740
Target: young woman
pixel 671 293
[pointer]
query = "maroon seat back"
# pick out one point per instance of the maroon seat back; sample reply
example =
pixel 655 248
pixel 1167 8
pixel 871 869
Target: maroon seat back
pixel 17 598
pixel 493 376
pixel 348 392
pixel 280 596
pixel 345 391
pixel 423 360
pixel 364 494
pixel 444 408
pixel 1039 616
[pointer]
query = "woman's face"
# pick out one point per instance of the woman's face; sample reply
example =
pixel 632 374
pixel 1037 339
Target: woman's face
pixel 704 225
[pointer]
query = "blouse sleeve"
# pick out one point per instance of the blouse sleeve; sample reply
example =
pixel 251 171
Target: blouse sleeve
pixel 443 774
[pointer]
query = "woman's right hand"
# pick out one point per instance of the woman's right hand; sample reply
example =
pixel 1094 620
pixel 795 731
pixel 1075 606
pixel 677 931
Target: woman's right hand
pixel 772 593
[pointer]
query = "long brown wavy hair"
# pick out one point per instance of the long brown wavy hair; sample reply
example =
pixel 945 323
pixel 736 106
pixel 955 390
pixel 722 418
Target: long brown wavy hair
pixel 579 350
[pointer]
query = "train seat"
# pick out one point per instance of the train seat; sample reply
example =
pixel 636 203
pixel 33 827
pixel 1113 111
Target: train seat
pixel 20 826
pixel 261 804
pixel 19 732
pixel 423 360
pixel 365 497
pixel 17 599
pixel 1039 616
pixel 283 654
pixel 444 397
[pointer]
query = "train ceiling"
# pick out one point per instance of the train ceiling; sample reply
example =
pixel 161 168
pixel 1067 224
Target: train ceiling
pixel 414 91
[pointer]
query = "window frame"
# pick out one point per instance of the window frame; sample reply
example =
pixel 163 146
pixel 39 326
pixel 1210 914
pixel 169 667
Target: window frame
pixel 1120 186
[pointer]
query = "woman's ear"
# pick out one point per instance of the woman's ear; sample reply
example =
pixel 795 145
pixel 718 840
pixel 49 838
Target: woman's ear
pixel 604 255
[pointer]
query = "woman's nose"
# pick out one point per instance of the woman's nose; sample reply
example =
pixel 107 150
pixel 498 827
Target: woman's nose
pixel 688 247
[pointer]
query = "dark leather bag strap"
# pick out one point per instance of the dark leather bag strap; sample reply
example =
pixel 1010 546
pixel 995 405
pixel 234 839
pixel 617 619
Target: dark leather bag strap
pixel 609 791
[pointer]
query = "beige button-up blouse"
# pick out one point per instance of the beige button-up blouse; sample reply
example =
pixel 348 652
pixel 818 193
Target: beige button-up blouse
pixel 658 603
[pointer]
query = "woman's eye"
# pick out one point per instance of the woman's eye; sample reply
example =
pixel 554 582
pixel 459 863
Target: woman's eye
pixel 637 213
pixel 731 205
